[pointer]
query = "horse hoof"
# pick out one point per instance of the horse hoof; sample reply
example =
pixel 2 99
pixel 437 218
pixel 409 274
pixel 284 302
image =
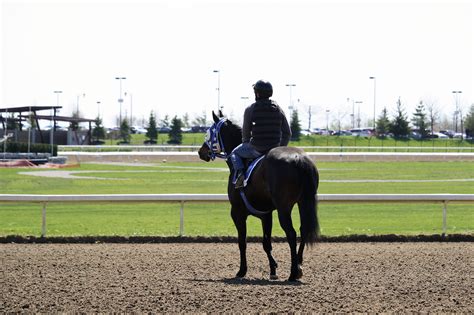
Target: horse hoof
pixel 300 272
pixel 273 277
pixel 240 274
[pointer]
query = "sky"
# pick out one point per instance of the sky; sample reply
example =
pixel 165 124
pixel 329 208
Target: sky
pixel 168 51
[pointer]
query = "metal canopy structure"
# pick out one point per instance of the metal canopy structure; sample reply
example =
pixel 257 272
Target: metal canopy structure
pixel 22 109
pixel 33 109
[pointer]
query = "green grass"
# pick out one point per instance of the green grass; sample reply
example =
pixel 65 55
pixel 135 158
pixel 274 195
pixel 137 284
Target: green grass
pixel 214 219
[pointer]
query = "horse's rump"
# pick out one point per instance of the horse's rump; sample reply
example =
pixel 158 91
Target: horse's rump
pixel 292 178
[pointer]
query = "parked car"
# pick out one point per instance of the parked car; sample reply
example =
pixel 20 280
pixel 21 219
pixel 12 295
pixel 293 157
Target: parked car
pixel 342 133
pixel 438 135
pixel 459 135
pixel 164 129
pixel 449 133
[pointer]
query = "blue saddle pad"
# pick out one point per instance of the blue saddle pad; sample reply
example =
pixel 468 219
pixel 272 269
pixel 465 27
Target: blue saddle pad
pixel 250 169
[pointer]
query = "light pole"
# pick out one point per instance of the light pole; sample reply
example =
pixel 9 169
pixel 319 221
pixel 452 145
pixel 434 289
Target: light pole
pixel 131 109
pixel 244 99
pixel 98 109
pixel 353 117
pixel 51 136
pixel 120 100
pixel 77 108
pixel 375 80
pixel 290 107
pixel 218 89
pixel 457 111
pixel 358 114
pixel 327 121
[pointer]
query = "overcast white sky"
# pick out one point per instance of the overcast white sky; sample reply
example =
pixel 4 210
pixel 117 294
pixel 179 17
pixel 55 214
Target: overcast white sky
pixel 167 50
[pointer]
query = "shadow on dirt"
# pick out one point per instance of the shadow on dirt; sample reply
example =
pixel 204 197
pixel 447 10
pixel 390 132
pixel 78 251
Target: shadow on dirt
pixel 255 282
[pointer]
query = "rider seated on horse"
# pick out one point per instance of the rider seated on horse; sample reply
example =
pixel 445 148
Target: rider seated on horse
pixel 265 127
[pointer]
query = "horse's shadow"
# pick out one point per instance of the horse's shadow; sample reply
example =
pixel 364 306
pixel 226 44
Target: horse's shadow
pixel 245 281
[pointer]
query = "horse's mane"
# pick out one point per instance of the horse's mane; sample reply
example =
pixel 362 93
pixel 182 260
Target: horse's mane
pixel 235 130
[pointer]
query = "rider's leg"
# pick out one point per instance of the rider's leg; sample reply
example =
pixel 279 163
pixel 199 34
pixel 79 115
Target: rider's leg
pixel 242 151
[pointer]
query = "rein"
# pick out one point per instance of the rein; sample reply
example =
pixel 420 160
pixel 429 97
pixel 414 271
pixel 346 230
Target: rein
pixel 214 141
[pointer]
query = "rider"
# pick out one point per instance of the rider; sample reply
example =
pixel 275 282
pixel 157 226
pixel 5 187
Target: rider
pixel 265 127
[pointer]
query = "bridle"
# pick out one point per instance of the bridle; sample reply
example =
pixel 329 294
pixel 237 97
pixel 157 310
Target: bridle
pixel 214 141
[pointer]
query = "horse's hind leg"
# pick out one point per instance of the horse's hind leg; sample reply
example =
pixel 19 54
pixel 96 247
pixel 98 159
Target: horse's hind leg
pixel 267 222
pixel 300 259
pixel 284 215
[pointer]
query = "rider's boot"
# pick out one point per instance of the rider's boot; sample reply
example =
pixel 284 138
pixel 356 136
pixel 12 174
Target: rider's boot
pixel 239 182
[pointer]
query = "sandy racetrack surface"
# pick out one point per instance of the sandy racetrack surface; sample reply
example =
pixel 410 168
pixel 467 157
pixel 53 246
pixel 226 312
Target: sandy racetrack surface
pixel 198 277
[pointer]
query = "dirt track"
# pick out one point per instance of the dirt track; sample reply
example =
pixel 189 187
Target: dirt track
pixel 197 277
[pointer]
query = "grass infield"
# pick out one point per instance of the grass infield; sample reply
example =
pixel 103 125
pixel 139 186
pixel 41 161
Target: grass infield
pixel 207 219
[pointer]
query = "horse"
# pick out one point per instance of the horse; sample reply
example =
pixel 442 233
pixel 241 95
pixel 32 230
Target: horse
pixel 284 177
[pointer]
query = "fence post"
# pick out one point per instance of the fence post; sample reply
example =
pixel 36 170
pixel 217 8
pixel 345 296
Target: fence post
pixel 43 221
pixel 181 219
pixel 445 208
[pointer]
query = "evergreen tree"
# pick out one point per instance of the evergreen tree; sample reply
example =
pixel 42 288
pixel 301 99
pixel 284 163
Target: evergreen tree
pixel 469 122
pixel 399 124
pixel 98 132
pixel 295 126
pixel 151 130
pixel 125 131
pixel 175 135
pixel 12 124
pixel 419 120
pixel 382 124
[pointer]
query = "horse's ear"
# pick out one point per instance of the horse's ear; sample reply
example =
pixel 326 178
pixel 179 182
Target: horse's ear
pixel 220 114
pixel 216 119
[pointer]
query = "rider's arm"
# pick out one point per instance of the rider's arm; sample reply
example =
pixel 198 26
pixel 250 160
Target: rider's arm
pixel 285 131
pixel 247 125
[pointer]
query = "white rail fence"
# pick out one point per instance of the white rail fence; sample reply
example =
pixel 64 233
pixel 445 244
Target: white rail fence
pixel 443 199
pixel 195 148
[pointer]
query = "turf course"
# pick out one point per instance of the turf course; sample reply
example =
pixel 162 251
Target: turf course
pixel 214 219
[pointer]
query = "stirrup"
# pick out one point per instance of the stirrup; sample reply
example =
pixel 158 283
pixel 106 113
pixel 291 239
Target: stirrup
pixel 239 182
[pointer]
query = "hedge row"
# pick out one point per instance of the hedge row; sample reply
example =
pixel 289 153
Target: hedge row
pixel 22 147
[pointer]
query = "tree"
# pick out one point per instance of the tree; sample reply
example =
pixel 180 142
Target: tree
pixel 165 122
pixel 125 131
pixel 12 123
pixel 151 130
pixel 419 120
pixel 433 114
pixel 175 135
pixel 469 122
pixel 382 124
pixel 186 120
pixel 399 124
pixel 98 132
pixel 200 120
pixel 295 126
pixel 75 125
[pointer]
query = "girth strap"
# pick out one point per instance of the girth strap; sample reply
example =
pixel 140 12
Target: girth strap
pixel 250 208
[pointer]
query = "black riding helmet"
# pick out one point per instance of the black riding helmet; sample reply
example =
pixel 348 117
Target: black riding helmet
pixel 264 89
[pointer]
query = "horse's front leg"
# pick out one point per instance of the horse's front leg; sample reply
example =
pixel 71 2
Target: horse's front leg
pixel 284 215
pixel 267 222
pixel 240 221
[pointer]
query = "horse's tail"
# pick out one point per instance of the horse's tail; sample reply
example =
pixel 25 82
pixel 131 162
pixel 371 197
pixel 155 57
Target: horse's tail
pixel 308 202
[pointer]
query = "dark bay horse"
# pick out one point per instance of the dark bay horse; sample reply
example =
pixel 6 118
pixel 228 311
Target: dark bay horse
pixel 284 177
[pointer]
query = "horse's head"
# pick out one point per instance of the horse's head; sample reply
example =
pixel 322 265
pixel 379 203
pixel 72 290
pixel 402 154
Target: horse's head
pixel 221 138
